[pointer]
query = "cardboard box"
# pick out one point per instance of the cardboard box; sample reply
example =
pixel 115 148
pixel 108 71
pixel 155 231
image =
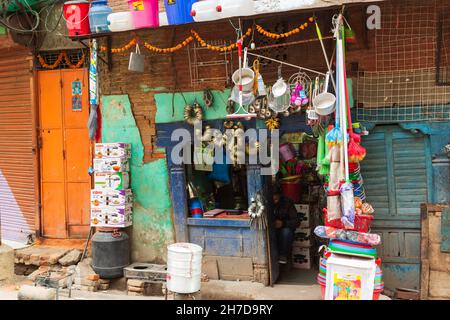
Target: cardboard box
pixel 112 150
pixel 304 210
pixel 108 180
pixel 111 165
pixel 301 258
pixel 111 216
pixel 109 197
pixel 302 237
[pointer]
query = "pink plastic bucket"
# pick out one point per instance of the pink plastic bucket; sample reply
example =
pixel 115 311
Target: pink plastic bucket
pixel 145 13
pixel 287 152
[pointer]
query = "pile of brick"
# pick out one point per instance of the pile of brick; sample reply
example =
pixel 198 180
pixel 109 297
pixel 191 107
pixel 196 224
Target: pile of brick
pixel 145 279
pixel 86 279
pixel 138 287
pixel 55 265
pixel 54 274
pixel 28 258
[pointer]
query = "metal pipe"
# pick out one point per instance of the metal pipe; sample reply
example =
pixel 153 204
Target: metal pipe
pixel 286 63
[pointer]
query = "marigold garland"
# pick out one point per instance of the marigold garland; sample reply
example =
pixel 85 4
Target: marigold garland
pixel 272 35
pixel 217 48
pixel 169 50
pixel 126 47
pixel 203 43
pixel 61 56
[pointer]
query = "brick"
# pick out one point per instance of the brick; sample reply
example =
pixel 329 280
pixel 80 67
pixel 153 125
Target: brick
pixel 135 289
pixel 136 283
pixel 103 286
pixel 93 277
pixel 88 288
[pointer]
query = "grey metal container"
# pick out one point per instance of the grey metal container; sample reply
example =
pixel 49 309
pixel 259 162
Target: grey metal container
pixel 110 253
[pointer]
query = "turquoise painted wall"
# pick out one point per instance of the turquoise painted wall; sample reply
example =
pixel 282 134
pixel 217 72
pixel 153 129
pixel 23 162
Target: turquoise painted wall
pixel 164 105
pixel 152 228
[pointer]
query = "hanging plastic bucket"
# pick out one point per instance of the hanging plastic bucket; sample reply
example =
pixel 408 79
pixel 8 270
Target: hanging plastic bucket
pixel 179 11
pixel 184 267
pixel 287 152
pixel 145 13
pixel 76 14
pixel 292 190
pixel 205 11
pixel 98 16
pixel 233 8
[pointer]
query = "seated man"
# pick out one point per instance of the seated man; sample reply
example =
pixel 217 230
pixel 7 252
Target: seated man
pixel 286 221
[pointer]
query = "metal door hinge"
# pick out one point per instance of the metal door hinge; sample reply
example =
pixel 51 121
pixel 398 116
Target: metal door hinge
pixel 39 142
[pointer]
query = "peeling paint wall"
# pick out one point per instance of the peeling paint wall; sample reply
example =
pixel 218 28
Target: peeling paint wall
pixel 152 228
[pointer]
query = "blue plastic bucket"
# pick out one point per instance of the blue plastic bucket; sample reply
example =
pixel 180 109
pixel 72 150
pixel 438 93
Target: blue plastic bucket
pixel 179 11
pixel 196 208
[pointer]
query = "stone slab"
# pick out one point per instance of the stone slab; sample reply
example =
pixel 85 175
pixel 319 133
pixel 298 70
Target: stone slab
pixel 71 258
pixel 6 263
pixel 210 268
pixel 148 271
pixel 235 268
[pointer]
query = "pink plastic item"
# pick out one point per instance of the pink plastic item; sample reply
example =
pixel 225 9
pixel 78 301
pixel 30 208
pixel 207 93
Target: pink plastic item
pixel 145 13
pixel 287 152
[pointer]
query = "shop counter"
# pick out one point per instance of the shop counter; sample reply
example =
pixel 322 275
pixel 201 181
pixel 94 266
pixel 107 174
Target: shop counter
pixel 230 244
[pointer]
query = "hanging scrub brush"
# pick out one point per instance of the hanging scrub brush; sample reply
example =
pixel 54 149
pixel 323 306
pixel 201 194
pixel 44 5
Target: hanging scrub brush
pixel 356 152
pixel 334 136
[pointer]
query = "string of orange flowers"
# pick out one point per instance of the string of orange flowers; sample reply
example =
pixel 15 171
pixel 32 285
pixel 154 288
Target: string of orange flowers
pixel 169 50
pixel 217 48
pixel 61 56
pixel 272 35
pixel 203 43
pixel 126 47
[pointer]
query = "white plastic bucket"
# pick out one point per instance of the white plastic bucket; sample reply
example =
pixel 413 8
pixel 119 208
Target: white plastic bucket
pixel 233 8
pixel 120 21
pixel 205 10
pixel 184 267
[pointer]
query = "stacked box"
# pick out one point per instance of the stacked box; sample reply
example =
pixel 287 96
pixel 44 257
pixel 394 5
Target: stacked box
pixel 112 150
pixel 302 245
pixel 302 237
pixel 111 197
pixel 111 200
pixel 304 210
pixel 301 258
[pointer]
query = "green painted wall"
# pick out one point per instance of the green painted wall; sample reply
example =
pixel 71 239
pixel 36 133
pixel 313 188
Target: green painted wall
pixel 164 105
pixel 152 228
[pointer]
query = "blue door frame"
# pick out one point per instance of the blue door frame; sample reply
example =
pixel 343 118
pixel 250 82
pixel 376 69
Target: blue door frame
pixel 260 245
pixel 415 161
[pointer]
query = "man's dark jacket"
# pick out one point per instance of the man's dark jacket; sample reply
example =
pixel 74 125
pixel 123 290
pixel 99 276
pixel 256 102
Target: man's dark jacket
pixel 286 212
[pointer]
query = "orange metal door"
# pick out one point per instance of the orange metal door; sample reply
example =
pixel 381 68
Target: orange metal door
pixel 65 155
pixel 77 152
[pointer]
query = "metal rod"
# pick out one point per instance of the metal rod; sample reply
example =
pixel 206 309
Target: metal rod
pixel 285 63
pixel 287 44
